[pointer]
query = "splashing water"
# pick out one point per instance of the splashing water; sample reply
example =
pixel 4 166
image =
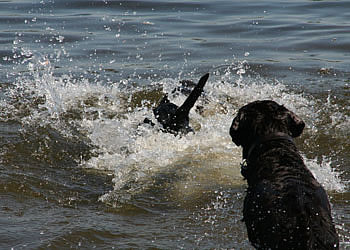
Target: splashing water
pixel 141 158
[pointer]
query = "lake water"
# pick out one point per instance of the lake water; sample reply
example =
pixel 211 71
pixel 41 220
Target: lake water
pixel 77 170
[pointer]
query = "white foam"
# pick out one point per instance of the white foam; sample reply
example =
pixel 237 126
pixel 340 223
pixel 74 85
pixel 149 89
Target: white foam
pixel 137 153
pixel 325 174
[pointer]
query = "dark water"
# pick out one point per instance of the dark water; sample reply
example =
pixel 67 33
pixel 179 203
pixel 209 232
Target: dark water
pixel 77 77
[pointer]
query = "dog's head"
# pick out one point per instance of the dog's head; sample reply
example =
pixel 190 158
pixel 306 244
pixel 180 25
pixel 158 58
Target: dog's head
pixel 263 118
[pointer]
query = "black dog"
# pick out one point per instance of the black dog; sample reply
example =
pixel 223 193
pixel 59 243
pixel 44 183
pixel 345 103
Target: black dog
pixel 285 207
pixel 175 119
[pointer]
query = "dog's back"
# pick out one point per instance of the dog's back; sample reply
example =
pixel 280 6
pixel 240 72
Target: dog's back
pixel 285 207
pixel 175 119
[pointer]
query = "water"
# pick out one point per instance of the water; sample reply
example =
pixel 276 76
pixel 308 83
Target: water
pixel 77 77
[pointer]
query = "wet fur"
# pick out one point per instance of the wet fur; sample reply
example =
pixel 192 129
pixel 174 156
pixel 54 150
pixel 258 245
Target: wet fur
pixel 285 207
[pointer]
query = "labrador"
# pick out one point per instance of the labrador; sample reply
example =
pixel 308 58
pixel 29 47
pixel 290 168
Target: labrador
pixel 284 207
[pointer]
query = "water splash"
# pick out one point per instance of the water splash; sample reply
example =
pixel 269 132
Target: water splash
pixel 142 158
pixel 326 174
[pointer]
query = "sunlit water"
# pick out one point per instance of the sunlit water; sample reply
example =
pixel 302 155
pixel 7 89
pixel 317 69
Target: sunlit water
pixel 80 169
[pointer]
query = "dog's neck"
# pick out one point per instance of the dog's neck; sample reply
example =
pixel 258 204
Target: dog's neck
pixel 247 151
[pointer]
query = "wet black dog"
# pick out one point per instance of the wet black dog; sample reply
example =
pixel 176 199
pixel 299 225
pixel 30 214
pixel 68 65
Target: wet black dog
pixel 285 207
pixel 175 119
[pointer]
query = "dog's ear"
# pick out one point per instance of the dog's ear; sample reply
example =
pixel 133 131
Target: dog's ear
pixel 234 133
pixel 296 125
